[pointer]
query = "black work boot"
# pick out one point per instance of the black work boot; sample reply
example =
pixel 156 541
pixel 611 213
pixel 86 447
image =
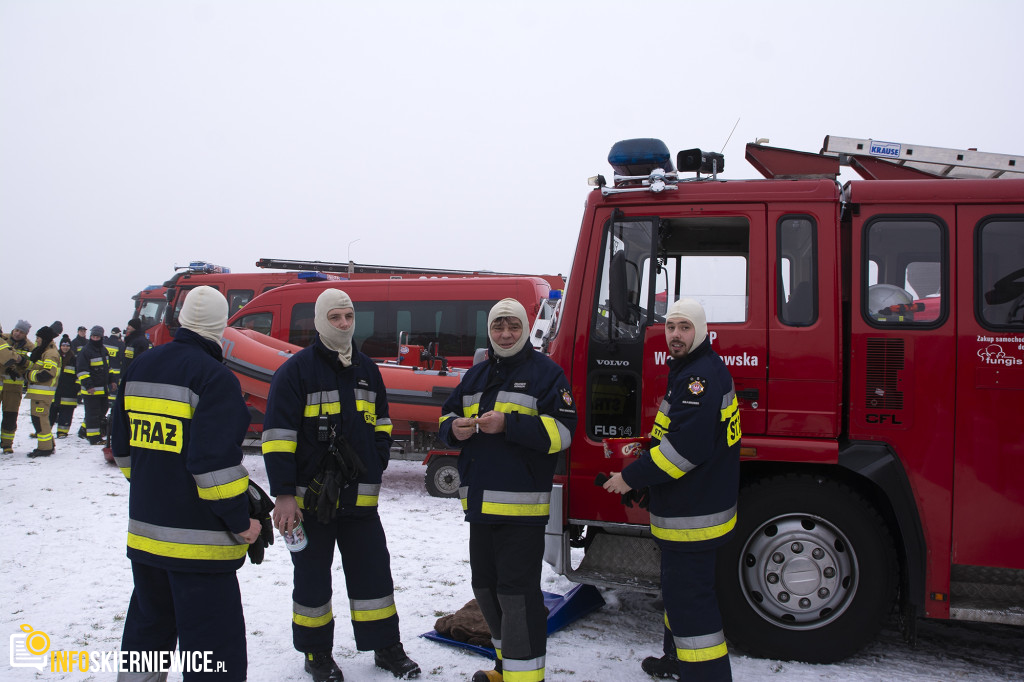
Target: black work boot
pixel 665 667
pixel 323 668
pixel 40 453
pixel 487 676
pixel 394 660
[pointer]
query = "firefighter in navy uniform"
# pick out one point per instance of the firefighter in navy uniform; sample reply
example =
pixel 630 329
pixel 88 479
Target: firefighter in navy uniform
pixel 66 400
pixel 692 471
pixel 42 376
pixel 513 415
pixel 92 366
pixel 135 342
pixel 115 349
pixel 17 348
pixel 327 433
pixel 177 431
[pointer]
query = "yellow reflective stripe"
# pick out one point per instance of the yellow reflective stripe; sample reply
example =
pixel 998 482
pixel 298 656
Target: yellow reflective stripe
pixel 312 617
pixel 374 614
pixel 698 655
pixel 224 491
pixel 162 406
pixel 279 446
pixel 693 534
pixel 502 509
pixel 513 675
pixel 178 550
pixel 316 409
pixel 664 464
pixel 366 500
pixel 554 430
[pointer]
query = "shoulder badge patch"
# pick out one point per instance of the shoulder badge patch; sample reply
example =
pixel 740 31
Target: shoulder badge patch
pixel 566 397
pixel 696 386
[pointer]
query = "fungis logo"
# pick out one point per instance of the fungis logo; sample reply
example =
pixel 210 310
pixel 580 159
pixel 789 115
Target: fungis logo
pixel 994 355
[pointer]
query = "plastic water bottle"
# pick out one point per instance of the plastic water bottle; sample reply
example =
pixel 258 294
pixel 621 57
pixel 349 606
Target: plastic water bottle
pixel 295 539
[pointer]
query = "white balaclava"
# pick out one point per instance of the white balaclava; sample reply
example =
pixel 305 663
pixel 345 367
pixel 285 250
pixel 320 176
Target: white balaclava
pixel 509 307
pixel 334 338
pixel 689 309
pixel 205 312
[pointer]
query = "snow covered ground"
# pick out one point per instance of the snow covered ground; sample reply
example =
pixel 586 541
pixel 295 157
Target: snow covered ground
pixel 63 571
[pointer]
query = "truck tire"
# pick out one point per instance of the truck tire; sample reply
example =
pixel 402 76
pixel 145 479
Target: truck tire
pixel 442 478
pixel 810 573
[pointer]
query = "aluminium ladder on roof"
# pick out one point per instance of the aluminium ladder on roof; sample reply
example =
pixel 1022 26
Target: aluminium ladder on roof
pixel 958 163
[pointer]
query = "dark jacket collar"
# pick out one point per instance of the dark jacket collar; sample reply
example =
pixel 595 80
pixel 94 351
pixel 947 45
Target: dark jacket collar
pixel 676 365
pixel 189 337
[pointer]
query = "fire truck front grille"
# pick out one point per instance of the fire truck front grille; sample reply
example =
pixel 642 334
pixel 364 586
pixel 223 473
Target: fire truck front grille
pixel 884 362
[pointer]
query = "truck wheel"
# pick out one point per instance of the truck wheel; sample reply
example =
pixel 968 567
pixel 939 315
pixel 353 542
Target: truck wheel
pixel 442 478
pixel 810 573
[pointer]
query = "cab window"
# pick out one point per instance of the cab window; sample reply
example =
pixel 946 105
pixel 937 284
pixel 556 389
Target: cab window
pixel 797 268
pixel 259 322
pixel 999 253
pixel 904 271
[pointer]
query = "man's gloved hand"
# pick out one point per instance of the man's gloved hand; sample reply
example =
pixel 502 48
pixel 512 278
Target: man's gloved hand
pixel 327 503
pixel 260 506
pixel 350 465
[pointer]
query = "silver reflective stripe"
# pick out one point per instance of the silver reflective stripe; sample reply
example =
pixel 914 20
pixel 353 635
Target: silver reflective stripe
pixel 182 536
pixel 372 489
pixel 515 665
pixel 463 491
pixel 693 522
pixel 700 642
pixel 311 611
pixel 524 400
pixel 148 389
pixel 322 397
pixel 471 400
pixel 300 492
pixel 383 421
pixel 221 476
pixel 123 462
pixel 280 434
pixel 505 497
pixel 728 398
pixel 363 394
pixel 673 456
pixel 372 604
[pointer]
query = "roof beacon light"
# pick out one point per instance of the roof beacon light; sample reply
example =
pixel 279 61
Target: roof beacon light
pixel 201 267
pixel 640 156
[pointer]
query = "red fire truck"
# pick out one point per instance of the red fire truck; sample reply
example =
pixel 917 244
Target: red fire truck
pixel 875 333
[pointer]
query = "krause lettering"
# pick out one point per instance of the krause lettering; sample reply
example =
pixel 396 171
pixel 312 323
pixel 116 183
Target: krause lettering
pixel 887 149
pixel 155 432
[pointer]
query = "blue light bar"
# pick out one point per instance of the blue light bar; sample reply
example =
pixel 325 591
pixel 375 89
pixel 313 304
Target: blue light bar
pixel 310 276
pixel 640 156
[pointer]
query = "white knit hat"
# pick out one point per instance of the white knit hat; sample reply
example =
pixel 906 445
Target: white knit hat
pixel 509 307
pixel 336 339
pixel 691 310
pixel 205 312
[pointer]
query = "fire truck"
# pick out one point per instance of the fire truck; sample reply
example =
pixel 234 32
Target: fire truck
pixel 874 329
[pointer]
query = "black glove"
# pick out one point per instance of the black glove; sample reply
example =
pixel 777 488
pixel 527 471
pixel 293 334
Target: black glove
pixel 260 507
pixel 350 464
pixel 36 353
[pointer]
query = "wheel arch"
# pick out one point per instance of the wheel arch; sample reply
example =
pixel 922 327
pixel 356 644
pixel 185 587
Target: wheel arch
pixel 873 470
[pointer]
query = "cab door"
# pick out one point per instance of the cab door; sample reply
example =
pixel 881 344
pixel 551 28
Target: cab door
pixel 988 490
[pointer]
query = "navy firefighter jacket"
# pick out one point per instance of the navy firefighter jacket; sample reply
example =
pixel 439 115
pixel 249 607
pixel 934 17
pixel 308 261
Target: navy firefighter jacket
pixel 693 463
pixel 506 477
pixel 177 431
pixel 311 389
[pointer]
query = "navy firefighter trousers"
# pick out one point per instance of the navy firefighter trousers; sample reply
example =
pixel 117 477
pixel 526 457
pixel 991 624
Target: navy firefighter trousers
pixel 371 592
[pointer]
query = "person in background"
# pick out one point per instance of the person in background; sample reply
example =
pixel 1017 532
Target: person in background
pixel 92 368
pixel 178 426
pixel 692 471
pixel 62 410
pixel 42 375
pixel 79 341
pixel 15 366
pixel 327 430
pixel 512 415
pixel 115 349
pixel 135 342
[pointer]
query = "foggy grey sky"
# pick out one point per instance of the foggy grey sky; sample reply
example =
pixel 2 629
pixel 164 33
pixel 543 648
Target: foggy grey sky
pixel 136 136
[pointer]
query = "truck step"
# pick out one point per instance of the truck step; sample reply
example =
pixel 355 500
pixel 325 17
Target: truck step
pixel 625 561
pixel 990 595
